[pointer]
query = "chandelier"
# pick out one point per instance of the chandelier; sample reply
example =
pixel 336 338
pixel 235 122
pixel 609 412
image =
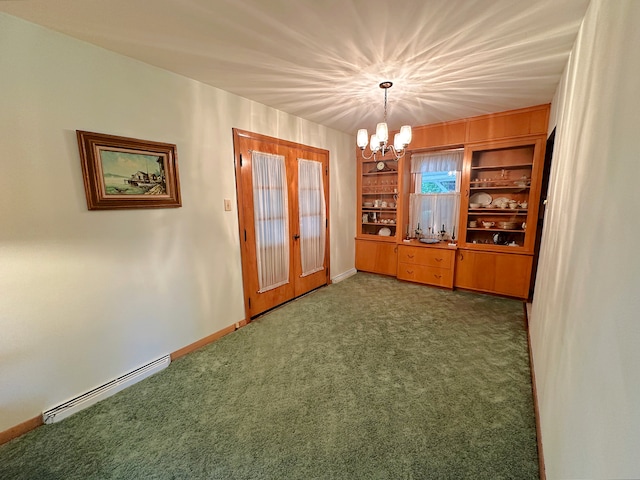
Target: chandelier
pixel 379 139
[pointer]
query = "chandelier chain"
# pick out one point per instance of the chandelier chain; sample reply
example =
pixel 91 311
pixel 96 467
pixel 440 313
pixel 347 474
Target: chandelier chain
pixel 385 105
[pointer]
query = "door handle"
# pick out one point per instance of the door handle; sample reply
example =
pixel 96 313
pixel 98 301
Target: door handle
pixel 296 236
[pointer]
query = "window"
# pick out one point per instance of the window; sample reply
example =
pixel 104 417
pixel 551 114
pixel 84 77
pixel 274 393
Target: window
pixel 438 182
pixel 312 211
pixel 435 204
pixel 271 207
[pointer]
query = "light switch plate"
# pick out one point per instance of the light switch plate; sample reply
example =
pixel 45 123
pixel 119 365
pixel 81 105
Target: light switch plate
pixel 227 205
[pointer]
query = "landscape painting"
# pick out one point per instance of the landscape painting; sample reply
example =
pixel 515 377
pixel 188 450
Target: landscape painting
pixel 125 173
pixel 122 172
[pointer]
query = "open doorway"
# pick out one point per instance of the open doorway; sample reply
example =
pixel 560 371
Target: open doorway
pixel 544 190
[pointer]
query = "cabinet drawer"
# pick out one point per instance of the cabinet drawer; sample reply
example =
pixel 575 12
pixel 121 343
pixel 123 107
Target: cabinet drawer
pixel 424 274
pixel 430 257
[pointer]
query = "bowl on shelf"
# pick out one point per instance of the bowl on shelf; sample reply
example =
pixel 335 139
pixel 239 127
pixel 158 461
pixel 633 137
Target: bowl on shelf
pixel 368 204
pixel 475 205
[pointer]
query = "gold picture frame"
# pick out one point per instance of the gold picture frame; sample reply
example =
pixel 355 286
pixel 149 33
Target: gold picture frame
pixel 127 173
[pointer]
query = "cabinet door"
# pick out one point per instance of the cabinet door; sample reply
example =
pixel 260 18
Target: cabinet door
pixel 493 272
pixel 529 121
pixel 376 257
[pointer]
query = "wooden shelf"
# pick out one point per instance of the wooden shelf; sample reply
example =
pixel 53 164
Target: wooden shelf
pixel 493 229
pixel 497 211
pixel 515 166
pixel 501 187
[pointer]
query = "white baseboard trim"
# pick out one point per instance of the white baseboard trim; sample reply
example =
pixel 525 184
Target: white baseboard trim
pixel 103 391
pixel 344 275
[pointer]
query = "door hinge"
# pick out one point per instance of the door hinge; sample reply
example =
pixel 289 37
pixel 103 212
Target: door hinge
pixel 249 302
pixel 245 235
pixel 326 223
pixel 326 170
pixel 240 159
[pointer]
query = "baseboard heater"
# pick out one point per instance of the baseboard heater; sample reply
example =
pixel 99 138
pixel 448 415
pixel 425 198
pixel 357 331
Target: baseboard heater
pixel 100 393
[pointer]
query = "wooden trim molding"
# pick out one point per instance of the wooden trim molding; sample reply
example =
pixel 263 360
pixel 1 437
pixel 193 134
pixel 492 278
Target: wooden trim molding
pixel 207 340
pixel 536 408
pixel 27 426
pixel 20 429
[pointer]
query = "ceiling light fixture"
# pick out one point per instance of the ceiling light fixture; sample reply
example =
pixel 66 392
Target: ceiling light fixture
pixel 379 139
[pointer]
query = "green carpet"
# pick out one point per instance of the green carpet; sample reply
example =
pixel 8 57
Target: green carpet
pixel 369 378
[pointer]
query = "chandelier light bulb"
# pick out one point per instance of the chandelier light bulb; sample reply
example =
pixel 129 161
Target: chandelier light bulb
pixel 382 132
pixel 398 142
pixel 375 143
pixel 363 138
pixel 405 134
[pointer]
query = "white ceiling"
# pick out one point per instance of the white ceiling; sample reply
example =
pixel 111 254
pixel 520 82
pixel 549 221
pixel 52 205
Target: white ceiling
pixel 323 59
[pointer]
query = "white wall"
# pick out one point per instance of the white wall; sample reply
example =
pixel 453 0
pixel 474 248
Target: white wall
pixel 86 296
pixel 585 324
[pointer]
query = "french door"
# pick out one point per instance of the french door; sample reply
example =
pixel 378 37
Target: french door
pixel 283 212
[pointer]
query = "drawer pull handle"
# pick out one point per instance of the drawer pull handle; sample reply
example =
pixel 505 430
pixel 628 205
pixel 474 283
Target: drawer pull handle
pixel 410 256
pixel 409 272
pixel 439 259
pixel 437 276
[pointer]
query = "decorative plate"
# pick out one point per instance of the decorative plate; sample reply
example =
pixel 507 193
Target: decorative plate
pixel 500 200
pixel 384 232
pixel 482 198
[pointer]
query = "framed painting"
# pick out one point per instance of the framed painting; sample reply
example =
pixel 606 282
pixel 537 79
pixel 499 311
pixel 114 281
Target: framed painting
pixel 121 172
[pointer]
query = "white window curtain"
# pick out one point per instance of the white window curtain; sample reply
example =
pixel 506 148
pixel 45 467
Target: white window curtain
pixel 271 214
pixel 435 211
pixel 447 161
pixel 313 216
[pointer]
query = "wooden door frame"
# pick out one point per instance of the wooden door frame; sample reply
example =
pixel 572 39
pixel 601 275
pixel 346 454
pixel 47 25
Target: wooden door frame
pixel 237 135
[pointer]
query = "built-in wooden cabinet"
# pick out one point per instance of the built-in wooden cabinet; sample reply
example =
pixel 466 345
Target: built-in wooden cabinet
pixel 500 273
pixel 377 257
pixel 378 197
pixel 431 265
pixel 500 195
pixel 511 124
